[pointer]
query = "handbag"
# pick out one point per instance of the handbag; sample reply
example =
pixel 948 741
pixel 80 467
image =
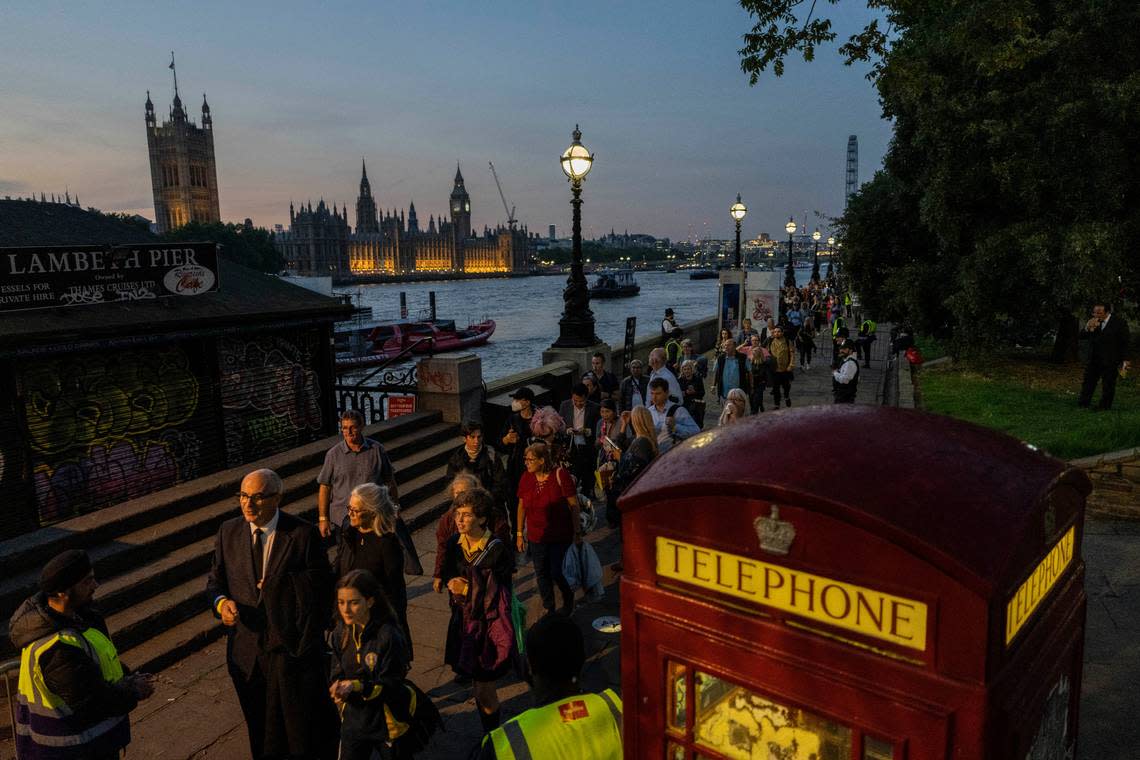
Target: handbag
pixel 412 564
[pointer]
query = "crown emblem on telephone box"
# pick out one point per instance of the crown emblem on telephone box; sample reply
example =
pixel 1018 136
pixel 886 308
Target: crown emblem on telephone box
pixel 775 535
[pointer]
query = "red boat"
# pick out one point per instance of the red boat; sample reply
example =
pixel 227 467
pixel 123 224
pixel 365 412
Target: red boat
pixel 435 337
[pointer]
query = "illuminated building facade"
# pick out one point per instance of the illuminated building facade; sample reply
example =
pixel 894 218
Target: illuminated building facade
pixel 321 242
pixel 183 172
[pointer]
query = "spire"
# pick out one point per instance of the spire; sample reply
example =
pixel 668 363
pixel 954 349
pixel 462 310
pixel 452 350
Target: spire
pixel 206 106
pixel 458 174
pixel 363 170
pixel 177 100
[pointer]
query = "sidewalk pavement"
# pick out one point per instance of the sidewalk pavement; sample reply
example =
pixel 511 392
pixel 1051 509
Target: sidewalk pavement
pixel 194 713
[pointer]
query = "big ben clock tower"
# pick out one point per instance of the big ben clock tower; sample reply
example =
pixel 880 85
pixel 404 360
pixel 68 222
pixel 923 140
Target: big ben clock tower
pixel 460 208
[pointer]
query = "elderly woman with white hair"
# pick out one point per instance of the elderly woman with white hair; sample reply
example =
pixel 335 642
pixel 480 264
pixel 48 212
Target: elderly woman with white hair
pixel 368 542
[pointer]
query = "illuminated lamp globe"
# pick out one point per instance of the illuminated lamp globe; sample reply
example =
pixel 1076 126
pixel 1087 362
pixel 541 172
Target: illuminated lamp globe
pixel 738 209
pixel 815 236
pixel 790 227
pixel 831 241
pixel 576 160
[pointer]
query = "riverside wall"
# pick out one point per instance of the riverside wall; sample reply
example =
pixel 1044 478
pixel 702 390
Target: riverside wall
pixel 552 382
pixel 1116 483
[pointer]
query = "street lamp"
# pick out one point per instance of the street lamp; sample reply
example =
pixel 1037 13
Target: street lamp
pixel 790 270
pixel 815 256
pixel 576 327
pixel 737 212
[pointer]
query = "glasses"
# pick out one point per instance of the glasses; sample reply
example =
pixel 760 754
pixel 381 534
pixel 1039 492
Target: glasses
pixel 256 498
pixel 349 429
pixel 531 459
pixel 358 512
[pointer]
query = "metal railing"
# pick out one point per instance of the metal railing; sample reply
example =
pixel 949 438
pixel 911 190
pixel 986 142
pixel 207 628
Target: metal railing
pixel 371 398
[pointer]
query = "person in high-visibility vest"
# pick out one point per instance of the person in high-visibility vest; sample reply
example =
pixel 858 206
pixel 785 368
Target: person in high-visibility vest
pixel 74 694
pixel 567 724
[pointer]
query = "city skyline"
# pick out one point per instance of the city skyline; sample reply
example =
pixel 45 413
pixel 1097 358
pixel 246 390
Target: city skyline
pixel 661 100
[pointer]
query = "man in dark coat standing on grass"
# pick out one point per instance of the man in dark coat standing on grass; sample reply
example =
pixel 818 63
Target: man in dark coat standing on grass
pixel 268 565
pixel 1108 335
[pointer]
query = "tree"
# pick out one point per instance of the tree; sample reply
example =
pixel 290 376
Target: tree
pixel 1014 157
pixel 249 246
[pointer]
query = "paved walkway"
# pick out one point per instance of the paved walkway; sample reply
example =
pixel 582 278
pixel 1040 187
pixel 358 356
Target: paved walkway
pixel 194 713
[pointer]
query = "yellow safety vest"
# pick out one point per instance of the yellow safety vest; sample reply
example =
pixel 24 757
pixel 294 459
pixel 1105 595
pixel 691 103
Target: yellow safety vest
pixel 43 719
pixel 582 727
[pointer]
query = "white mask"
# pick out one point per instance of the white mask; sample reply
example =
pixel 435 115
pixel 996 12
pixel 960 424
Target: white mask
pixel 516 406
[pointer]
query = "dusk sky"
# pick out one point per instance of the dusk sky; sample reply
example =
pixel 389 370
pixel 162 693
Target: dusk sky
pixel 301 91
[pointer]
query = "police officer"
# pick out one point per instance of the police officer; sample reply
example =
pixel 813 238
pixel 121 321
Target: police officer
pixel 568 725
pixel 74 693
pixel 845 375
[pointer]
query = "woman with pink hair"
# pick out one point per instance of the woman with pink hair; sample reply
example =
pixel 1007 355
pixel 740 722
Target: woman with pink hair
pixel 547 424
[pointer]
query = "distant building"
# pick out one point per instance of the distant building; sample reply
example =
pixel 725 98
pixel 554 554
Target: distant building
pixel 626 240
pixel 551 235
pixel 183 172
pixel 321 242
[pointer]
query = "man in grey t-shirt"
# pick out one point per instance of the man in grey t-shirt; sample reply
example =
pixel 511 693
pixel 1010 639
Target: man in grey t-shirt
pixel 353 461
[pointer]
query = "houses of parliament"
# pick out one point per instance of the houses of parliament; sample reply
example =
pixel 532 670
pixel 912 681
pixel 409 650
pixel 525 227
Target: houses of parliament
pixel 321 242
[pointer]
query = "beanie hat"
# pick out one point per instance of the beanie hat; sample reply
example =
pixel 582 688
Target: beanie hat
pixel 64 571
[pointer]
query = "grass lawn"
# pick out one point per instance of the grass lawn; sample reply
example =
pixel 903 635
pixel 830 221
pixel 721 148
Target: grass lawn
pixel 1036 402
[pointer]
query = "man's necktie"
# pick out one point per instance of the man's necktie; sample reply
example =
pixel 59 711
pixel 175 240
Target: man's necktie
pixel 258 554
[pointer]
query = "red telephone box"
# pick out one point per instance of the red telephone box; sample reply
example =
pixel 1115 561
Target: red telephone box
pixel 853 583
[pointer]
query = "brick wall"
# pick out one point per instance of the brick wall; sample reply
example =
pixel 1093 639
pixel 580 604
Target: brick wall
pixel 1116 483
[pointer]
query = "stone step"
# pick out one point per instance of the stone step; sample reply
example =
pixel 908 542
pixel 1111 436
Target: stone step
pixel 153 578
pixel 188 628
pixel 90 530
pixel 123 552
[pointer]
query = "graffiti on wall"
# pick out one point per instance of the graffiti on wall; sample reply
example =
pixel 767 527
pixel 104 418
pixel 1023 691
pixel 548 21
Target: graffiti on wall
pixel 270 394
pixel 104 428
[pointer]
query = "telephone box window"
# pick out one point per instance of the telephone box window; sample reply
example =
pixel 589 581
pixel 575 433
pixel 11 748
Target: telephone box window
pixel 674 752
pixel 738 723
pixel 877 749
pixel 678 687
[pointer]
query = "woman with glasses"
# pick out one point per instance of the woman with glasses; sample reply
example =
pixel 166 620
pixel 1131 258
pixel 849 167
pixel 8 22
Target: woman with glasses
pixel 368 542
pixel 548 519
pixel 477 569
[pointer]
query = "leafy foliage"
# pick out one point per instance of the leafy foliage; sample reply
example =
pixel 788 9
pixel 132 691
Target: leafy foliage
pixel 249 246
pixel 1009 195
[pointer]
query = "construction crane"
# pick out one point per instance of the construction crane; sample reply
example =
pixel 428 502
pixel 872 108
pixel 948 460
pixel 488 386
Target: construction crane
pixel 511 210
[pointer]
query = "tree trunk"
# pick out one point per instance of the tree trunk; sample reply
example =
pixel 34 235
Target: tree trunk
pixel 1065 345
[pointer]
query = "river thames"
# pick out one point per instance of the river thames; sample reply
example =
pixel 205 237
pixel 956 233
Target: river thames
pixel 526 310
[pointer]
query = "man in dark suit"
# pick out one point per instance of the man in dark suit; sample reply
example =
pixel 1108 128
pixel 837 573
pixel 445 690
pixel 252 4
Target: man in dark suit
pixel 581 417
pixel 1108 335
pixel 269 572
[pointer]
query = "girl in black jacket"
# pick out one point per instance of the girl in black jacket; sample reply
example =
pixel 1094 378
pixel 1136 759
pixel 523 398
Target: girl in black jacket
pixel 378 707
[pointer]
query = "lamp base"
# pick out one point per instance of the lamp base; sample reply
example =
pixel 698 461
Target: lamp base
pixel 576 332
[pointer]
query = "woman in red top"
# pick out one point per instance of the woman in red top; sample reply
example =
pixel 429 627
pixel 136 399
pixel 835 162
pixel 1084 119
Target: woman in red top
pixel 548 508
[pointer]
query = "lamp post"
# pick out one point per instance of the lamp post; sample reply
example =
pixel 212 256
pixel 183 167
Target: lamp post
pixel 576 327
pixel 737 211
pixel 790 270
pixel 815 256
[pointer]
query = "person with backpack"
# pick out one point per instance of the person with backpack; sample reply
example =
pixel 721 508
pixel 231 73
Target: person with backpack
pixel 380 711
pixel 672 423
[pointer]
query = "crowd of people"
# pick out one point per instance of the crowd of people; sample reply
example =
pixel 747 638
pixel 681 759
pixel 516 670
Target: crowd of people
pixel 319 652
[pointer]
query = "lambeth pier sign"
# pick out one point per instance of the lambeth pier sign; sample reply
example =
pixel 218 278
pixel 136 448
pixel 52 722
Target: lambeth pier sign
pixel 37 278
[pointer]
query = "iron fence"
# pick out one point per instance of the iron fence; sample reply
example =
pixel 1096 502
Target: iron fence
pixel 372 395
